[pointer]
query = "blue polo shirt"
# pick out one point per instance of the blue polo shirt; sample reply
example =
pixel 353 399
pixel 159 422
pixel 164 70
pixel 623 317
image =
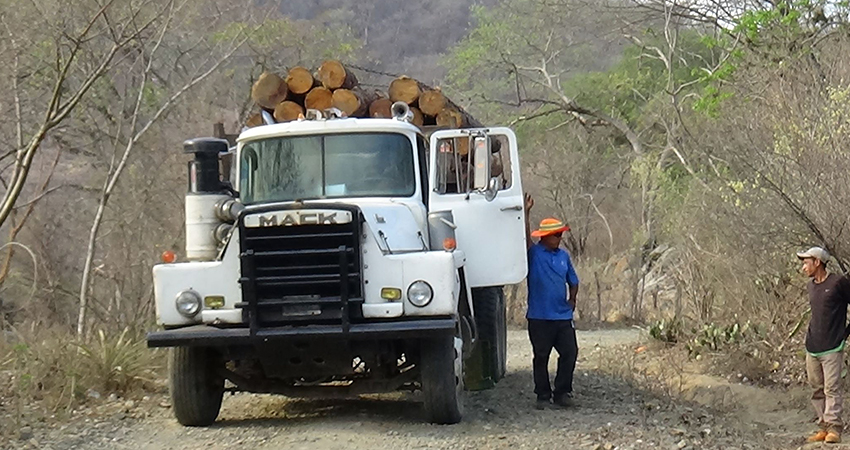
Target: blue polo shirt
pixel 549 273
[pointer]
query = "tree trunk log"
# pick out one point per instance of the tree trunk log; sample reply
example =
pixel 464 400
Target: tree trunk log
pixel 418 117
pixel 467 121
pixel 404 89
pixel 354 102
pixel 287 111
pixel 269 90
pixel 319 98
pixel 254 121
pixel 381 108
pixel 346 101
pixel 300 81
pixel 333 75
pixel 449 118
pixel 463 146
pixel 431 102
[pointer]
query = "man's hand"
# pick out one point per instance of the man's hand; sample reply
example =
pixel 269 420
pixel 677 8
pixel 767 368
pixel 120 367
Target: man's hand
pixel 529 203
pixel 573 294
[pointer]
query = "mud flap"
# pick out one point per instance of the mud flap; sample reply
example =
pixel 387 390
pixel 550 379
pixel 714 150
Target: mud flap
pixel 479 372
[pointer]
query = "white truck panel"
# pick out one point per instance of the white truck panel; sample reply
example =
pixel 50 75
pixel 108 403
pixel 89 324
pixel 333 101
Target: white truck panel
pixel 491 233
pixel 440 270
pixel 205 278
pixel 397 225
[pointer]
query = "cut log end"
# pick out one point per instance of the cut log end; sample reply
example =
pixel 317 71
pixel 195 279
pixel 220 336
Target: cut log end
pixel 381 108
pixel 254 121
pixel 269 90
pixel 418 117
pixel 346 101
pixel 287 111
pixel 300 80
pixel 450 118
pixel 463 146
pixel 319 98
pixel 333 75
pixel 404 89
pixel 432 102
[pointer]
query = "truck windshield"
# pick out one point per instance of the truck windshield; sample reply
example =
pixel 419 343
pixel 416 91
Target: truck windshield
pixel 327 166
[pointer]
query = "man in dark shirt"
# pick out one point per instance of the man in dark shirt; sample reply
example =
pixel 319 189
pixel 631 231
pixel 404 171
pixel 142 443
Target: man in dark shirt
pixel 550 310
pixel 829 295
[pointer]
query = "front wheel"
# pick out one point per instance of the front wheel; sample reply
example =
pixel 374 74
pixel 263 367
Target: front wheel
pixel 196 386
pixel 442 379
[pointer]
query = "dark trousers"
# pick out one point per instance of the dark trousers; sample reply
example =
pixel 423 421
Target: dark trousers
pixel 544 335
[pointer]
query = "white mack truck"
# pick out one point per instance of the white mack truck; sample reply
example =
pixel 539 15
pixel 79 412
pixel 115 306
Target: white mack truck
pixel 343 256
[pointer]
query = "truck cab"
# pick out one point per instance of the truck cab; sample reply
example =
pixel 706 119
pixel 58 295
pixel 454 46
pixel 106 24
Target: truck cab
pixel 343 256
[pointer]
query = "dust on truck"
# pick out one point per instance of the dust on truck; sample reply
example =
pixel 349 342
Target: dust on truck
pixel 343 256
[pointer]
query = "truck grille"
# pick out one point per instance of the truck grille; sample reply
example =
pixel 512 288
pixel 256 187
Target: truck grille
pixel 301 274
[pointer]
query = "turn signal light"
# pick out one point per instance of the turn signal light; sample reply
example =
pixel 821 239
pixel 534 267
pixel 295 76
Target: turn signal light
pixel 449 244
pixel 391 294
pixel 214 301
pixel 168 257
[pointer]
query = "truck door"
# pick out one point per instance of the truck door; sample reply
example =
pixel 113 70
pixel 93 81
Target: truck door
pixel 474 173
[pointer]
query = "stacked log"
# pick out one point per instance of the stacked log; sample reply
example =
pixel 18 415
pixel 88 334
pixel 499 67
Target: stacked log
pixel 333 85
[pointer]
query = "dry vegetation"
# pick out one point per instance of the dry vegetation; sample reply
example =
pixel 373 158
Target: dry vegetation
pixel 690 153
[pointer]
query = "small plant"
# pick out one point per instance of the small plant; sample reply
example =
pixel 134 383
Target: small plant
pixel 669 331
pixel 116 364
pixel 713 337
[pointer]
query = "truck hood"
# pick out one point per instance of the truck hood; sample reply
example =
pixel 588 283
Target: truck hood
pixel 394 228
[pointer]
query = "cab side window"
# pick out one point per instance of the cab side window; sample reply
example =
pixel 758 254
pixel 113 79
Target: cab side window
pixel 454 165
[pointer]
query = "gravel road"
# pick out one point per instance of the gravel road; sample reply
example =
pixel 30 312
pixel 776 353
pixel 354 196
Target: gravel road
pixel 610 414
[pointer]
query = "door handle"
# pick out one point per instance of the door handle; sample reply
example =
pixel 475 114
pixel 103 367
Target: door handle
pixel 512 208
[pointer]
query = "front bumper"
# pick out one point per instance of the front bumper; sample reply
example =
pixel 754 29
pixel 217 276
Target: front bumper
pixel 209 336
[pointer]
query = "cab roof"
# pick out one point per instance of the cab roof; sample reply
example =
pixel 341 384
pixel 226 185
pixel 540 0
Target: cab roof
pixel 326 126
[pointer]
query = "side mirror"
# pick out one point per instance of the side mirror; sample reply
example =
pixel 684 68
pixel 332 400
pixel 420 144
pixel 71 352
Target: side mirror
pixel 481 160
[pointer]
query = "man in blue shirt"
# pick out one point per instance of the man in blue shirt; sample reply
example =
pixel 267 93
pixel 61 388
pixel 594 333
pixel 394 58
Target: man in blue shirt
pixel 551 277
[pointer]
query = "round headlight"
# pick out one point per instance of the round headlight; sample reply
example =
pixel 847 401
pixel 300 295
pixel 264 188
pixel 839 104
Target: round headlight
pixel 420 293
pixel 188 303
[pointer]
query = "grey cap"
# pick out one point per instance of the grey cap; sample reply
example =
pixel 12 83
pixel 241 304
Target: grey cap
pixel 815 252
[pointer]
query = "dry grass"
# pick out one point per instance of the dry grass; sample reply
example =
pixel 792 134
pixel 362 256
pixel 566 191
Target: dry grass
pixel 45 373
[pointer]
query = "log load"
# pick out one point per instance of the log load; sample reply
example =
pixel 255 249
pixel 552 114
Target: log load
pixel 381 108
pixel 418 118
pixel 254 121
pixel 354 102
pixel 269 90
pixel 449 117
pixel 287 111
pixel 333 85
pixel 333 75
pixel 432 101
pixel 319 98
pixel 300 80
pixel 404 89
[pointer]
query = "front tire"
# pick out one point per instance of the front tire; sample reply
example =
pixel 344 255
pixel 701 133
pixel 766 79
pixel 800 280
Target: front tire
pixel 195 384
pixel 442 379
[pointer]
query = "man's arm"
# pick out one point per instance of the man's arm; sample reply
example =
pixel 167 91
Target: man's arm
pixel 529 203
pixel 845 284
pixel 573 294
pixel 572 283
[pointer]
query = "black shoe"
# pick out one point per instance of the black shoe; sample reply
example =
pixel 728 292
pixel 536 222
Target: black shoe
pixel 565 401
pixel 541 403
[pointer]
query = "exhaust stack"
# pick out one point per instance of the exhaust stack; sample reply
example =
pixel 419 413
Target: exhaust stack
pixel 401 111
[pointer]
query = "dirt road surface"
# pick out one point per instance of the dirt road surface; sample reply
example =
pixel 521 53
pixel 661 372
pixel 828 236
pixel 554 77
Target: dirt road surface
pixel 611 414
